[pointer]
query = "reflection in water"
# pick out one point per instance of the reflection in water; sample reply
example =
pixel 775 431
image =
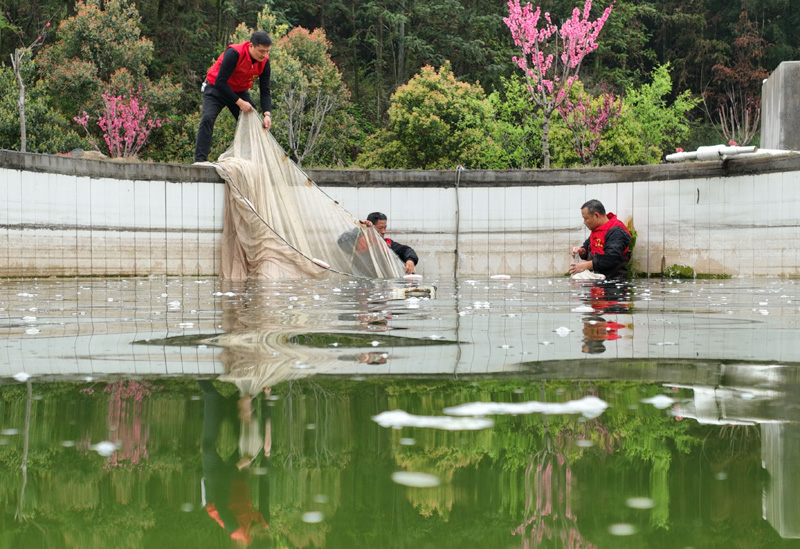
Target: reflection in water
pixel 226 493
pixel 274 420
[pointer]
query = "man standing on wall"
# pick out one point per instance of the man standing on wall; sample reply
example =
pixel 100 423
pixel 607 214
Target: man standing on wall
pixel 607 250
pixel 227 84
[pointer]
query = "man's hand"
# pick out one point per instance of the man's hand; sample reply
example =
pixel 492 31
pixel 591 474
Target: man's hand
pixel 580 266
pixel 267 120
pixel 243 105
pixel 579 250
pixel 410 267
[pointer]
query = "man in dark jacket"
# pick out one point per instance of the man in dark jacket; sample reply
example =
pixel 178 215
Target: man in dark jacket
pixel 227 84
pixel 607 250
pixel 405 253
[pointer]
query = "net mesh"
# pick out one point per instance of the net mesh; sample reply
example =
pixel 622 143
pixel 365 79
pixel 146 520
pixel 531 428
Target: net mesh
pixel 279 224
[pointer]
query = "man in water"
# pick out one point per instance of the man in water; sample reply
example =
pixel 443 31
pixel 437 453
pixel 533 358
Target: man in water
pixel 228 83
pixel 607 250
pixel 405 253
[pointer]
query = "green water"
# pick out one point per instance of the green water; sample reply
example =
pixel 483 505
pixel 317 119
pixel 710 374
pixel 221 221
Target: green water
pixel 529 481
pixel 187 413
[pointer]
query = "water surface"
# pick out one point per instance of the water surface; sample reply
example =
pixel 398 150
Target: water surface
pixel 178 412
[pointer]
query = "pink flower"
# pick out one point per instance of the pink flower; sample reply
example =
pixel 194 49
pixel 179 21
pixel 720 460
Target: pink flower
pixel 733 143
pixel 679 150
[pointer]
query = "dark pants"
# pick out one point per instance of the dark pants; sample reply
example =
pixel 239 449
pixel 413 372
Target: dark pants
pixel 213 103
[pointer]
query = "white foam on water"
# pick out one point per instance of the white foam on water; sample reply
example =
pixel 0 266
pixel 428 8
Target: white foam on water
pixel 659 401
pixel 105 448
pixel 416 480
pixel 399 418
pixel 640 503
pixel 583 309
pixel 622 529
pixel 562 331
pixel 312 517
pixel 588 406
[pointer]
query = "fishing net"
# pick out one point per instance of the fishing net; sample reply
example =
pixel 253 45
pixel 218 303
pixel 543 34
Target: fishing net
pixel 279 224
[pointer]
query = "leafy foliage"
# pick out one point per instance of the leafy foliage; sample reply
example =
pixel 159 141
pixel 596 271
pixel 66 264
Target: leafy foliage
pixel 653 119
pixel 436 122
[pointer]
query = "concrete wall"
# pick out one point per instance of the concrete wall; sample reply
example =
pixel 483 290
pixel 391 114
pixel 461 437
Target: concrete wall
pixel 780 108
pixel 66 216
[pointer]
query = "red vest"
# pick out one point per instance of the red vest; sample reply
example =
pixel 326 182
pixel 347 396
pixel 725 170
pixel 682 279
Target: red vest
pixel 597 240
pixel 245 72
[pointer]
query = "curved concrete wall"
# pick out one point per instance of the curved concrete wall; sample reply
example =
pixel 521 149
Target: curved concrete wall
pixel 62 216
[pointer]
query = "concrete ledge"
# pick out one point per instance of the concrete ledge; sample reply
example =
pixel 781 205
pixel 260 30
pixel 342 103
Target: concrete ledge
pixel 180 173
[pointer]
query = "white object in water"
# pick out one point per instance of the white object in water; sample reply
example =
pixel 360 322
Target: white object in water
pixel 562 331
pixel 412 277
pixel 320 263
pixel 659 401
pixel 22 377
pixel 416 480
pixel 588 275
pixel 500 277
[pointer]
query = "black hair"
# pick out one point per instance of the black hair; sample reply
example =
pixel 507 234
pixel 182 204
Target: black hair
pixel 261 38
pixel 594 206
pixel 374 217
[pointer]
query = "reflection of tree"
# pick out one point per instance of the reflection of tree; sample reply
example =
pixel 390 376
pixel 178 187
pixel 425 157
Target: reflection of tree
pixel 127 427
pixel 548 494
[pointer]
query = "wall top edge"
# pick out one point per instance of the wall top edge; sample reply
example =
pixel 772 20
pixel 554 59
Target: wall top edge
pixel 147 171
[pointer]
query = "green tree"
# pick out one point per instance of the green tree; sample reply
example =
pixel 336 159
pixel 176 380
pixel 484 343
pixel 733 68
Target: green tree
pixel 658 124
pixel 99 49
pixel 436 122
pixel 49 131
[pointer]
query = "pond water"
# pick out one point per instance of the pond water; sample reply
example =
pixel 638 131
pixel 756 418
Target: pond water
pixel 186 412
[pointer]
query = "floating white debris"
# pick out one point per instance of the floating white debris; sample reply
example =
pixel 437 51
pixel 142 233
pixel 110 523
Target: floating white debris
pixel 412 277
pixel 674 291
pixel 105 448
pixel 622 529
pixel 588 406
pixel 545 343
pixel 500 277
pixel 664 343
pixel 375 343
pixel 747 396
pixel 659 401
pixel 28 319
pixel 174 305
pixel 186 325
pixel 22 377
pixel 312 517
pixel 640 503
pixel 562 331
pixel 583 309
pixel 335 344
pixel 32 331
pixel 416 480
pixel 400 418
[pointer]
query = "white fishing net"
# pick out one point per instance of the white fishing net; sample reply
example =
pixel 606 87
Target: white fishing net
pixel 279 224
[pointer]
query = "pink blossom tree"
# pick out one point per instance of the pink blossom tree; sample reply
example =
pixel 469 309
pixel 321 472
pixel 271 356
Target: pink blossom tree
pixel 551 68
pixel 125 122
pixel 589 119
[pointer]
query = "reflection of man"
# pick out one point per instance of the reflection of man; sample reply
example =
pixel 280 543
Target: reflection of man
pixel 226 492
pixel 405 253
pixel 596 330
pixel 607 250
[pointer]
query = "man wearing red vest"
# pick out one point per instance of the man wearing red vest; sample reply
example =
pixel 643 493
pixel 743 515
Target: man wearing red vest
pixel 227 84
pixel 607 250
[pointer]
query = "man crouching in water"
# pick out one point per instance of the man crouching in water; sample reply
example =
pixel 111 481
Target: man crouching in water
pixel 607 250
